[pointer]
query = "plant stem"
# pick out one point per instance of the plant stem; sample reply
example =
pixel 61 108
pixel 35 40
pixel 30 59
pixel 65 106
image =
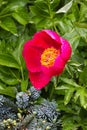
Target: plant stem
pixel 22 73
pixel 55 27
pixel 53 88
pixel 51 94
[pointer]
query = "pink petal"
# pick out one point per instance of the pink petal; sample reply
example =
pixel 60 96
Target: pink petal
pixel 65 50
pixel 48 39
pixel 36 42
pixel 32 58
pixel 39 79
pixel 39 42
pixel 56 69
pixel 53 35
pixel 26 46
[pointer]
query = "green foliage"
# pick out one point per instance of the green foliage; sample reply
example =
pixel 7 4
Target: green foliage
pixel 13 9
pixel 9 25
pixel 10 91
pixel 43 13
pixel 8 60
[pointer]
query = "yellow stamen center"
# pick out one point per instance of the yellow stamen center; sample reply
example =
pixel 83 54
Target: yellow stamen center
pixel 48 56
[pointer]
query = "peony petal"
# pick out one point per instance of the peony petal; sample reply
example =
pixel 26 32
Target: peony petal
pixel 56 69
pixel 48 39
pixel 39 42
pixel 39 79
pixel 53 35
pixel 26 46
pixel 65 50
pixel 32 57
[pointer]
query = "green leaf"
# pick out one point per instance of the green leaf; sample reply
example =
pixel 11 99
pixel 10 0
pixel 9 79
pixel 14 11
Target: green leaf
pixel 21 15
pixel 83 76
pixel 66 108
pixel 24 85
pixel 8 60
pixel 7 78
pixel 69 123
pixel 74 63
pixel 9 91
pixel 81 25
pixel 69 81
pixel 83 96
pixel 17 53
pixel 65 25
pixel 54 4
pixel 8 24
pixel 63 87
pixel 65 8
pixel 73 38
pixel 68 95
pixel 40 14
pixel 76 96
pixel 82 32
pixel 39 11
pixel 83 11
pixel 13 5
pixel 75 10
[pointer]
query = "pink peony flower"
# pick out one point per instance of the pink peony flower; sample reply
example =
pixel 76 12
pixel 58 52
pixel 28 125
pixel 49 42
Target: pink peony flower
pixel 45 56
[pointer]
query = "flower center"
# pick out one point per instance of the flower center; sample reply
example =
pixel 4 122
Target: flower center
pixel 48 56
